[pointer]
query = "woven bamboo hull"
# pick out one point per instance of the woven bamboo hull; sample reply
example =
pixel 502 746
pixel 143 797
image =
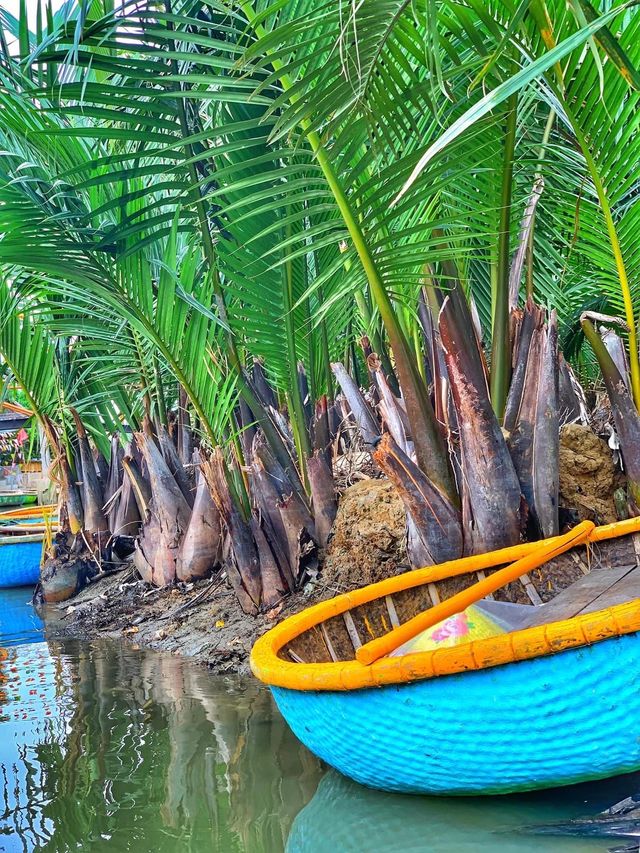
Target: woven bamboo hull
pixel 540 723
pixel 20 560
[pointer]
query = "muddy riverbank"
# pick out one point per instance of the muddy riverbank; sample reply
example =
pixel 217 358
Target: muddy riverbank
pixel 202 621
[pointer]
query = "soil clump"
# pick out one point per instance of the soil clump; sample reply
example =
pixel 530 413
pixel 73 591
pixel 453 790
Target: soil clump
pixel 587 474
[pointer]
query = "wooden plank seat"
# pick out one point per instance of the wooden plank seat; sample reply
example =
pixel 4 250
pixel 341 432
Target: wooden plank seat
pixel 602 587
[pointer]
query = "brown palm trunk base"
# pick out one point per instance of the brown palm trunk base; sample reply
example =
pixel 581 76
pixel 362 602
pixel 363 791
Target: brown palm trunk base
pixel 72 561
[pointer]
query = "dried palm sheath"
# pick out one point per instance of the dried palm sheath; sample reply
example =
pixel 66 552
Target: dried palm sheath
pixel 95 521
pixel 162 533
pixel 201 547
pixel 491 518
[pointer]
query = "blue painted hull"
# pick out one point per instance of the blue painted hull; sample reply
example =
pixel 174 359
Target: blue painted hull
pixel 555 720
pixel 20 563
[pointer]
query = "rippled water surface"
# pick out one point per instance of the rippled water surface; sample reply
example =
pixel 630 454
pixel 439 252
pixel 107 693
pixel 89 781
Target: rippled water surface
pixel 105 747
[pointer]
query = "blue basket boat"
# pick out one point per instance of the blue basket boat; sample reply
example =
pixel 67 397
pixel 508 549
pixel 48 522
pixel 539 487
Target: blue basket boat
pixel 20 557
pixel 551 698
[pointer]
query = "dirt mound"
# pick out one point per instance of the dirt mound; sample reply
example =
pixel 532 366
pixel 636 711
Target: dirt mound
pixel 368 540
pixel 587 474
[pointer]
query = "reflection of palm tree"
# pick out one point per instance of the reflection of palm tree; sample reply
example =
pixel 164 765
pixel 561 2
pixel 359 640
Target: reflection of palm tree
pixel 272 772
pixel 157 750
pixel 260 769
pixel 267 772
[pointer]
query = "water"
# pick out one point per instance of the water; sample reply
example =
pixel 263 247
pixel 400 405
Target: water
pixel 107 748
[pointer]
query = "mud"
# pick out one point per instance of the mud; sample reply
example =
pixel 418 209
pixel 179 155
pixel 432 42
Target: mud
pixel 202 620
pixel 368 542
pixel 588 477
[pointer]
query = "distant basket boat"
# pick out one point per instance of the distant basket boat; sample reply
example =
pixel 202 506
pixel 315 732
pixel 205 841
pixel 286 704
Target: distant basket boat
pixel 20 559
pixel 17 498
pixel 29 512
pixel 31 519
pixel 552 702
pixel 21 534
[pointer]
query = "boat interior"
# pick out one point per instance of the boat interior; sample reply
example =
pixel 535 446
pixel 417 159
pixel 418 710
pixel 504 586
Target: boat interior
pixel 584 580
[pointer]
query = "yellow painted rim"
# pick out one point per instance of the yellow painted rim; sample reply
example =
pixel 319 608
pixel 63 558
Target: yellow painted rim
pixel 476 655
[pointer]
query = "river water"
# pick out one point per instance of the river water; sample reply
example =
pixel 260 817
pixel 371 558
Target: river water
pixel 104 747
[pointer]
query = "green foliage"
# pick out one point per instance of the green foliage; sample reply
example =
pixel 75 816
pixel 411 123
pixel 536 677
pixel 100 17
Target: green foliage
pixel 184 184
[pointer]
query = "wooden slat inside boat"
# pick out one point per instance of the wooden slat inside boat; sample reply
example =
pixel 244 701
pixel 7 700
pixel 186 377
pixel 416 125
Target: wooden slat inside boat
pixel 566 581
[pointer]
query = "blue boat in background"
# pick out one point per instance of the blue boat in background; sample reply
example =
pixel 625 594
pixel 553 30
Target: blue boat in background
pixel 20 560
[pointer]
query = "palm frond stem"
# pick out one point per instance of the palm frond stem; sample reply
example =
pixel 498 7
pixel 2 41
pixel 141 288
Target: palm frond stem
pixel 501 350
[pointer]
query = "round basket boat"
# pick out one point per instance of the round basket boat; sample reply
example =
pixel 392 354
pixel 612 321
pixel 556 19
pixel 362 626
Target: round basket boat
pixel 20 557
pixel 554 702
pixel 21 541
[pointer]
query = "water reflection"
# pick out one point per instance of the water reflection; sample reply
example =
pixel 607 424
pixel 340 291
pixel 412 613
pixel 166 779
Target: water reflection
pixel 104 747
pixel 19 621
pixel 343 816
pixel 123 750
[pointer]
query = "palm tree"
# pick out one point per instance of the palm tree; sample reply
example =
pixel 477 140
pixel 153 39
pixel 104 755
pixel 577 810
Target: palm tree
pixel 234 183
